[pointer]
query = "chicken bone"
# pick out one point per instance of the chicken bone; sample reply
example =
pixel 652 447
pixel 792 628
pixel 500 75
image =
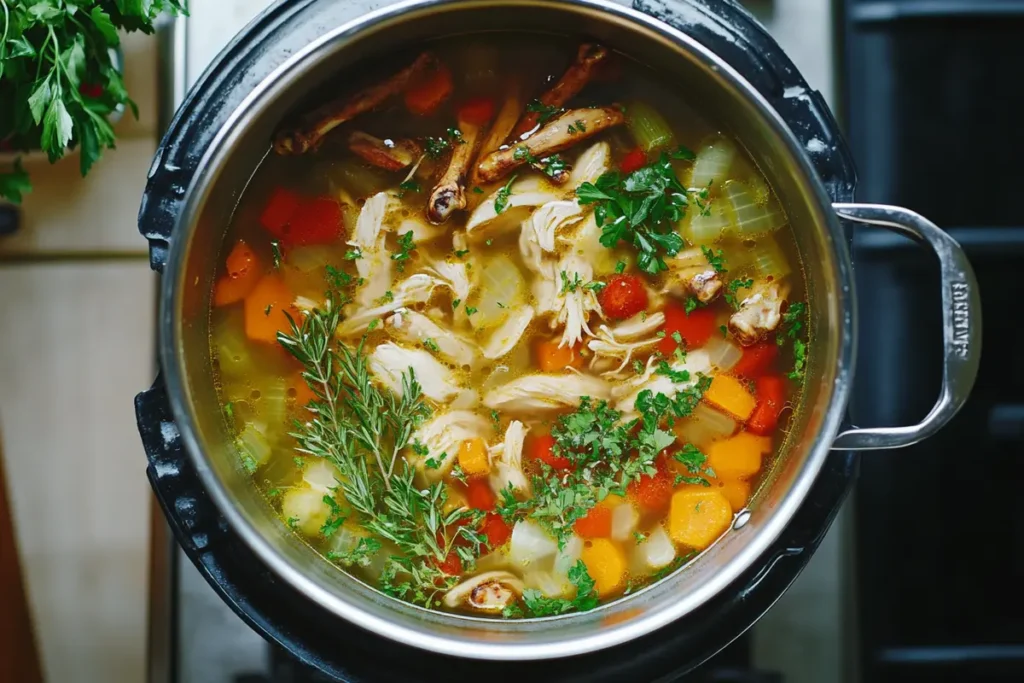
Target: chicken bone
pixel 490 592
pixel 391 155
pixel 760 312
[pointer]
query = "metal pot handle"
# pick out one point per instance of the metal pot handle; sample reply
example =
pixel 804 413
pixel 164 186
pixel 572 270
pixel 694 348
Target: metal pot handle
pixel 961 326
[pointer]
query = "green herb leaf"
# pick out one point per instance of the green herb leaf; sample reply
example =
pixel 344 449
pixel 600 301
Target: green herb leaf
pixel 501 200
pixel 405 248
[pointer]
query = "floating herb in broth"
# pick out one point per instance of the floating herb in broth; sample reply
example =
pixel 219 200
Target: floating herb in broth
pixel 508 354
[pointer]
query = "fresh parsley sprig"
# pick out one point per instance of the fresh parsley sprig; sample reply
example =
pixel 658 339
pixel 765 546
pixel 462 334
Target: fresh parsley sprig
pixel 641 209
pixel 58 83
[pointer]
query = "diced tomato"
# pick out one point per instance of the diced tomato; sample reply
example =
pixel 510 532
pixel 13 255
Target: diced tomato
pixel 316 221
pixel 756 359
pixel 694 328
pixel 496 529
pixel 478 111
pixel 541 448
pixel 771 399
pixel 451 565
pixel 623 297
pixel 596 524
pixel 279 211
pixel 479 494
pixel 633 161
pixel 653 493
pixel 240 259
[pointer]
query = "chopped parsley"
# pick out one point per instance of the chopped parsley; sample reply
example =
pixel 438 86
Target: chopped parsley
pixel 717 260
pixel 792 329
pixel 501 200
pixel 641 209
pixel 436 147
pixel 353 254
pixel 696 463
pixel 293 522
pixel 361 555
pixel 458 473
pixel 334 520
pixel 554 165
pixel 336 279
pixel 405 248
pixel 733 287
pixel 266 311
pixel 577 126
pixel 691 304
pixel 522 153
pixel 275 253
pixel 596 286
pixel 431 463
pixel 470 310
pixel 620 268
pixel 229 411
pixel 477 189
pixel 388 297
pixel 456 135
pixel 678 376
pixel 431 345
pixel 570 285
pixel 544 112
pixel 724 330
pixel 639 537
pixel 455 303
pixel 373 324
pixel 409 186
pixel 501 305
pixel 459 253
pixel 537 605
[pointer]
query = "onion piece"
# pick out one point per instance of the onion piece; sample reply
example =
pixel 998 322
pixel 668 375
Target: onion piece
pixel 768 260
pixel 624 521
pixel 252 441
pixel 712 164
pixel 502 287
pixel 723 354
pixel 530 545
pixel 550 584
pixel 704 229
pixel 321 475
pixel 305 509
pixel 569 555
pixel 705 426
pixel 656 551
pixel 748 217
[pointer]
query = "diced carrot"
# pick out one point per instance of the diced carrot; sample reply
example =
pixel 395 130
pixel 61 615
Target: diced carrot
pixel 698 516
pixel 653 493
pixel 265 308
pixel 496 529
pixel 279 210
pixel 241 259
pixel 623 297
pixel 451 565
pixel 736 491
pixel 315 221
pixel 541 448
pixel 479 494
pixel 423 99
pixel 606 565
pixel 695 328
pixel 756 359
pixel 243 272
pixel 771 399
pixel 473 457
pixel 729 395
pixel 303 394
pixel 739 456
pixel 478 111
pixel 633 161
pixel 597 523
pixel 550 357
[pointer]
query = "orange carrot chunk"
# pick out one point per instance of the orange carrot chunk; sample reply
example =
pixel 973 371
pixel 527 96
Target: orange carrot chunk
pixel 698 517
pixel 739 456
pixel 265 308
pixel 730 396
pixel 606 565
pixel 550 357
pixel 424 99
pixel 596 524
pixel 473 457
pixel 243 273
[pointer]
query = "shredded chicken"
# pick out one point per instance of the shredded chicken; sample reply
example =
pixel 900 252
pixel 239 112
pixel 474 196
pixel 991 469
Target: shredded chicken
pixel 557 135
pixel 391 155
pixel 442 435
pixel 490 592
pixel 413 290
pixel 375 265
pixel 564 292
pixel 619 343
pixel 449 195
pixel 760 312
pixel 565 88
pixel 389 364
pixel 522 197
pixel 422 231
pixel 505 337
pixel 416 328
pixel 312 127
pixel 542 393
pixel 507 461
pixel 690 273
pixel 625 393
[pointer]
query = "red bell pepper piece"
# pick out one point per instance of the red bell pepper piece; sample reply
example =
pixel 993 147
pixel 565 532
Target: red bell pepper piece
pixel 771 399
pixel 695 328
pixel 756 359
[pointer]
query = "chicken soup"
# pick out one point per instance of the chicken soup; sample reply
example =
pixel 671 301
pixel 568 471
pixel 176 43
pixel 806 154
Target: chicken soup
pixel 508 329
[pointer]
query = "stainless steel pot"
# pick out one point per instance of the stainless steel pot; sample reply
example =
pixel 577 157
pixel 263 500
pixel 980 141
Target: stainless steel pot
pixel 725 98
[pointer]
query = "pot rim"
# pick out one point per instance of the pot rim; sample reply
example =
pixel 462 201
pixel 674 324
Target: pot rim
pixel 172 355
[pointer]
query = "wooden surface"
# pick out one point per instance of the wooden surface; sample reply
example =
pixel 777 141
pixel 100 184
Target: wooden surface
pixel 76 345
pixel 19 659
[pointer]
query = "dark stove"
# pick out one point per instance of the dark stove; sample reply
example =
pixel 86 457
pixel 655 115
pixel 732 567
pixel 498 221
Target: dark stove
pixel 932 110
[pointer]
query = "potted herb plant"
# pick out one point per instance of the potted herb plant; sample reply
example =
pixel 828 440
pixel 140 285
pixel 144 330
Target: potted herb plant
pixel 59 78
